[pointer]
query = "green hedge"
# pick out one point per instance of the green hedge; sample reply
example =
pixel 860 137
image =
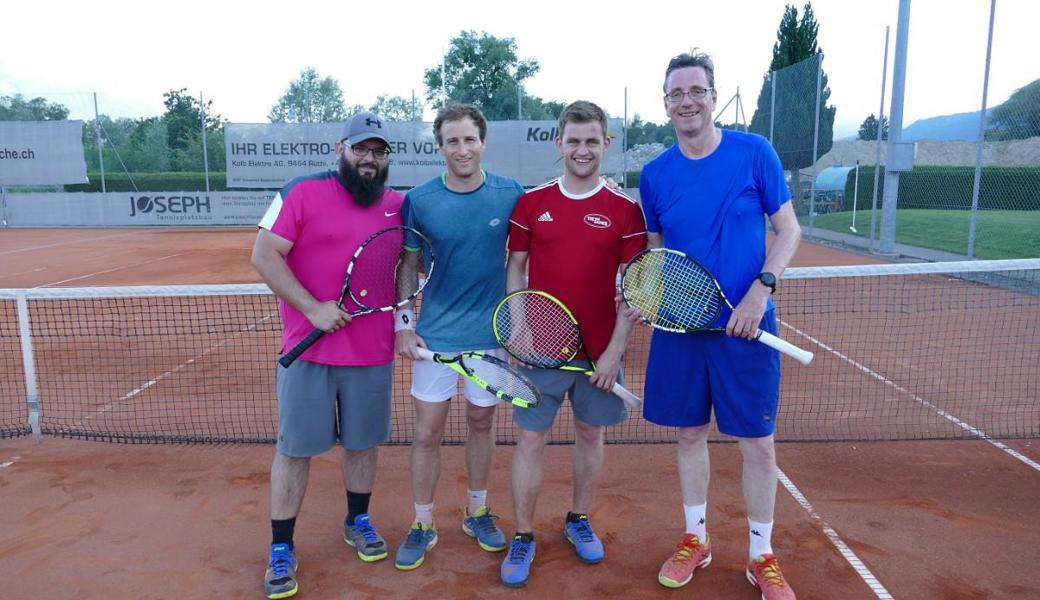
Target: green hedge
pixel 1002 188
pixel 153 182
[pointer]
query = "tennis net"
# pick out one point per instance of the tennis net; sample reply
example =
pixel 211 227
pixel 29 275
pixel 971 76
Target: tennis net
pixel 905 351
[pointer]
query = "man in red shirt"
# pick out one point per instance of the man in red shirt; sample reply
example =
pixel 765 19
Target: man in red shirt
pixel 571 236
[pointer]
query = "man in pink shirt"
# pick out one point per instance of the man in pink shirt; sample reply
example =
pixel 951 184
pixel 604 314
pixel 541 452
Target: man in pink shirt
pixel 340 388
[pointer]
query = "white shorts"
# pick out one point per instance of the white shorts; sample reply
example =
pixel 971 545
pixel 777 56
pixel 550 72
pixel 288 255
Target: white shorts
pixel 434 382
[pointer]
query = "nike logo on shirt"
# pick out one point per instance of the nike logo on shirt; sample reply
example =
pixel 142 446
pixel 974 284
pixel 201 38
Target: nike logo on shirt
pixel 388 214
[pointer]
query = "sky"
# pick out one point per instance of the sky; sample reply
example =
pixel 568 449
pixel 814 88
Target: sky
pixel 242 55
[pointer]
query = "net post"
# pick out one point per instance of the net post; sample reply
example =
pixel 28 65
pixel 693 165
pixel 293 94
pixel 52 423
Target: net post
pixel 32 398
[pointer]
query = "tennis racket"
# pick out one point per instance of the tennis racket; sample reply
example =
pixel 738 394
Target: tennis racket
pixel 371 280
pixel 538 330
pixel 674 292
pixel 491 374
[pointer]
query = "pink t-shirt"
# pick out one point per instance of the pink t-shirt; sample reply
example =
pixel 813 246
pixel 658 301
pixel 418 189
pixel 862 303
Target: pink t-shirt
pixel 319 216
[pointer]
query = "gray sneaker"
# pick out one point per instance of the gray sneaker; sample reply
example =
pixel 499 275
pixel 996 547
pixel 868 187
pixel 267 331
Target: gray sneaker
pixel 280 578
pixel 363 535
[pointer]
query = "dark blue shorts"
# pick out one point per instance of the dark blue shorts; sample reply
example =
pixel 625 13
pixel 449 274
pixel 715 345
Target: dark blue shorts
pixel 689 374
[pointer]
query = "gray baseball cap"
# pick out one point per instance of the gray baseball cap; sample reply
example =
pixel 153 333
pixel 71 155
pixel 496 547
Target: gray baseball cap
pixel 365 126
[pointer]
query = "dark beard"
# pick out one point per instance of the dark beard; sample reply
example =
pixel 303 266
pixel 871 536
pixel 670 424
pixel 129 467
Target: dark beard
pixel 365 190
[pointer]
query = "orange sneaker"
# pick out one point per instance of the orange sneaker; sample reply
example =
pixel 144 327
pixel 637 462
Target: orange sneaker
pixel 690 554
pixel 764 573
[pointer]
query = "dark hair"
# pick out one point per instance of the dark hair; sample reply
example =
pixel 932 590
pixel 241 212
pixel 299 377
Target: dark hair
pixel 693 58
pixel 456 112
pixel 583 111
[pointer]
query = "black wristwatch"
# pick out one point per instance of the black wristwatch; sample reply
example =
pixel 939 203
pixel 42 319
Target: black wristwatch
pixel 768 280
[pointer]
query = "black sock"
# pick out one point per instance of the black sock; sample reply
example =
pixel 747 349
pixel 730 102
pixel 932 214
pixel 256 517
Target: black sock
pixel 282 531
pixel 525 536
pixel 575 517
pixel 357 504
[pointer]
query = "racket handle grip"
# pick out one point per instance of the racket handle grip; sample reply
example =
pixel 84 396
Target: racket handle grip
pixel 803 356
pixel 291 356
pixel 424 353
pixel 631 400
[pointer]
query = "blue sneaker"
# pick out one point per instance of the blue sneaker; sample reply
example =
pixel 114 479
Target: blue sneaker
pixel 363 536
pixel 280 578
pixel 516 568
pixel 586 543
pixel 421 538
pixel 481 525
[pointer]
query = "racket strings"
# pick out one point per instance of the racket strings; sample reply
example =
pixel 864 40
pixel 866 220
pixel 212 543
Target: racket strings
pixel 672 291
pixel 501 377
pixel 373 273
pixel 538 331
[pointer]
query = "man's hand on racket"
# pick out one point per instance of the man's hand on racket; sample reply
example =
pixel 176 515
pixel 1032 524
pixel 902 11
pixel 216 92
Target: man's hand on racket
pixel 327 316
pixel 407 343
pixel 607 367
pixel 748 313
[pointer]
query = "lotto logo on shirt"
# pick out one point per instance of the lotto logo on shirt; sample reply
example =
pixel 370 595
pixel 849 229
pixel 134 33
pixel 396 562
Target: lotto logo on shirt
pixel 596 220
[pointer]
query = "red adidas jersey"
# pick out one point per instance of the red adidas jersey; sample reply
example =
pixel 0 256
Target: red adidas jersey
pixel 576 243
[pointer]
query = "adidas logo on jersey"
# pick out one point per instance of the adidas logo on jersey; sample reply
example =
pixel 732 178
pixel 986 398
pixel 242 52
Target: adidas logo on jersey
pixel 545 217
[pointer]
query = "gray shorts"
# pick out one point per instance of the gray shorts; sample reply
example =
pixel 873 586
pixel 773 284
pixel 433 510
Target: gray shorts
pixel 590 404
pixel 320 404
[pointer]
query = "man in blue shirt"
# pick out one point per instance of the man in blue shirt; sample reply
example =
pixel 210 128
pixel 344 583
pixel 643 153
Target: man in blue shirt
pixel 708 196
pixel 465 214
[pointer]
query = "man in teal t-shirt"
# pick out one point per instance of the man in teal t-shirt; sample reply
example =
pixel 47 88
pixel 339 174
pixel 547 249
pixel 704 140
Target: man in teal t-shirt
pixel 465 214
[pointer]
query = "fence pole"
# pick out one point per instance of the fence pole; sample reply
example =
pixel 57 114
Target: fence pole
pixel 205 154
pixel 100 147
pixel 982 138
pixel 815 143
pixel 877 149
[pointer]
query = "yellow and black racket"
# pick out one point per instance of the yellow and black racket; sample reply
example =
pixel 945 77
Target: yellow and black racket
pixel 538 330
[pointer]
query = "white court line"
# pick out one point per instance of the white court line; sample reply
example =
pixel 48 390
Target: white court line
pixel 110 405
pixel 71 242
pixel 119 268
pixel 942 413
pixel 868 578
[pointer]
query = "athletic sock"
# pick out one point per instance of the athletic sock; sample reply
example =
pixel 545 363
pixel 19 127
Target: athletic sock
pixel 424 514
pixel 761 536
pixel 282 531
pixel 573 517
pixel 695 520
pixel 477 498
pixel 357 504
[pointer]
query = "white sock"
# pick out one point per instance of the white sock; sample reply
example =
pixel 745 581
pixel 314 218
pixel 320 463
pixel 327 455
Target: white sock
pixel 424 513
pixel 477 498
pixel 761 538
pixel 695 516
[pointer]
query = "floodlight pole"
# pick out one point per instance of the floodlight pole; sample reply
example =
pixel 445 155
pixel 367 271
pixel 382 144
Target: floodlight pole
pixel 895 131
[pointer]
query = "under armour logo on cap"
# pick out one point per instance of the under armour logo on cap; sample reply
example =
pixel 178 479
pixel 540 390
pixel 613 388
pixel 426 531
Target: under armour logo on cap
pixel 364 126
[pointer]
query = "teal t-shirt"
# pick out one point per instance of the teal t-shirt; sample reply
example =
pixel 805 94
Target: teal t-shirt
pixel 468 232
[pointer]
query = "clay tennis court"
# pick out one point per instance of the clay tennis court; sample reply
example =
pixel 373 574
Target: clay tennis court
pixel 927 519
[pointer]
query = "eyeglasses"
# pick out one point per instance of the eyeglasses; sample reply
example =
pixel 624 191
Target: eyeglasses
pixel 362 151
pixel 696 93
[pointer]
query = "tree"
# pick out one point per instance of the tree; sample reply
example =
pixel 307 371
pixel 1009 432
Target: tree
pixel 17 108
pixel 483 70
pixel 183 118
pixel 795 101
pixel 1018 117
pixel 396 108
pixel 310 99
pixel 869 129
